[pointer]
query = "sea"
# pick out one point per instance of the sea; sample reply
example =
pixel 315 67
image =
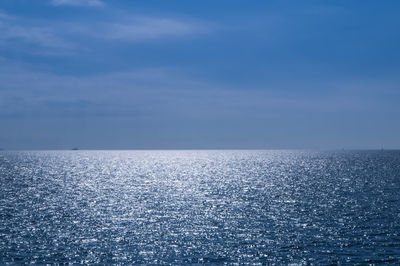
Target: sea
pixel 198 207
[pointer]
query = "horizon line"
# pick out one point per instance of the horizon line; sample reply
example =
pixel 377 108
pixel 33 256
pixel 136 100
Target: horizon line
pixel 214 149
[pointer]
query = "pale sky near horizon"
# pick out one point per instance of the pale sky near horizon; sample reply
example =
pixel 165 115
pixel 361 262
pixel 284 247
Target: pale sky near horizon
pixel 98 74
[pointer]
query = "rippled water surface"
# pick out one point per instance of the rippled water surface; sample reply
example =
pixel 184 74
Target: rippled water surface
pixel 210 207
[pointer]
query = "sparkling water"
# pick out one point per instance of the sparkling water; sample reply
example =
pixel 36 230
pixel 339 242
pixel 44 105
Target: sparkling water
pixel 200 207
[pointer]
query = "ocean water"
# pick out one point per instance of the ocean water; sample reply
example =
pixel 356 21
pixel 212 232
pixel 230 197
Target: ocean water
pixel 200 207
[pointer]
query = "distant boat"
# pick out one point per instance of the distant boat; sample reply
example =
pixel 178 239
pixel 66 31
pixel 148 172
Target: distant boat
pixel 74 149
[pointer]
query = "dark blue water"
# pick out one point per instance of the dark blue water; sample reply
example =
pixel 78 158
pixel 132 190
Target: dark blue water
pixel 205 207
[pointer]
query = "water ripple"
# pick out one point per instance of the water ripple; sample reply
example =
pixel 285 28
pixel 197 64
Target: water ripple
pixel 202 207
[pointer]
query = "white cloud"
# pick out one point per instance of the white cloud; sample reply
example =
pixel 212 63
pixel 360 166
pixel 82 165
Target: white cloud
pixel 35 38
pixel 40 36
pixel 135 29
pixel 97 3
pixel 25 90
pixel 148 28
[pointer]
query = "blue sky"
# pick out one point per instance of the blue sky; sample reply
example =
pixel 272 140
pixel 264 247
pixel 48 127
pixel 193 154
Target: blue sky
pixel 100 74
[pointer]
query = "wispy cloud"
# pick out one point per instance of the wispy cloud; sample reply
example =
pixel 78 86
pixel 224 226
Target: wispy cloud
pixel 41 36
pixel 157 92
pixel 17 33
pixel 132 28
pixel 149 28
pixel 96 3
pixel 45 37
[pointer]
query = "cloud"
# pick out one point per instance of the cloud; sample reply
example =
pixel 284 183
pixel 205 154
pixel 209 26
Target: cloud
pixel 136 29
pixel 31 37
pixel 155 92
pixel 146 102
pixel 5 16
pixel 95 3
pixel 148 28
pixel 41 36
pixel 62 38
